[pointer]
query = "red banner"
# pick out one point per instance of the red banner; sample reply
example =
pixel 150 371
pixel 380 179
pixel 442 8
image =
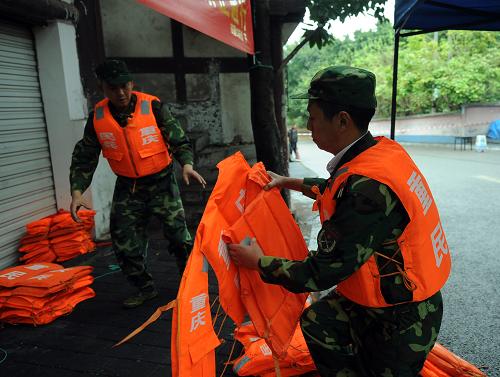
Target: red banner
pixel 229 21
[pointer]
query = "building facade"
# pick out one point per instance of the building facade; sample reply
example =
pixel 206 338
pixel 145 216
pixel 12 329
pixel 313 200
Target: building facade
pixel 48 53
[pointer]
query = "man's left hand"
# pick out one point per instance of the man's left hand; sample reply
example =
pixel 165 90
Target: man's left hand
pixel 246 255
pixel 188 172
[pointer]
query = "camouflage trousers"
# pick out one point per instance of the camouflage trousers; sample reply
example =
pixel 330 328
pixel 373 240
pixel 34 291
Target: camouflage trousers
pixel 347 340
pixel 134 203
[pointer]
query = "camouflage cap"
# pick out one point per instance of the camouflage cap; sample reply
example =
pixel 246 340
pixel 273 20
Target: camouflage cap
pixel 343 85
pixel 114 72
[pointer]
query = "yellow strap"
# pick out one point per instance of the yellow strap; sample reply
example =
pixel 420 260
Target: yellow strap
pixel 276 366
pixel 151 319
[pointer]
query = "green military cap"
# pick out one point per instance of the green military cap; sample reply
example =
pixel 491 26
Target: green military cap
pixel 114 72
pixel 343 85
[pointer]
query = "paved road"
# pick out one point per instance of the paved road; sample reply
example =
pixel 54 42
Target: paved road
pixel 466 188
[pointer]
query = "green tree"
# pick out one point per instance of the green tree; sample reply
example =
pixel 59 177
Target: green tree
pixel 438 72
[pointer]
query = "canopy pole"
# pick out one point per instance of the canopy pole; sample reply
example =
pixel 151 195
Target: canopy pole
pixel 394 83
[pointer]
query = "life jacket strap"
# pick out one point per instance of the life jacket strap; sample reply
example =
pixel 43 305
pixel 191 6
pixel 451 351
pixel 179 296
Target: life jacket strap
pixel 151 319
pixel 229 361
pixel 409 284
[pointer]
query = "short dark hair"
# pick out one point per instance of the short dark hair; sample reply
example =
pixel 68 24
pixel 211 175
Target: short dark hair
pixel 361 117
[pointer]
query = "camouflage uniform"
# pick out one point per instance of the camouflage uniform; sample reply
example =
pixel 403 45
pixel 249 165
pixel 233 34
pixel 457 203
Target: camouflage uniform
pixel 346 339
pixel 135 200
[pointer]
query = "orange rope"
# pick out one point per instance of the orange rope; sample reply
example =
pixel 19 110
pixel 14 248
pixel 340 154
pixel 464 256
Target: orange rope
pixel 215 300
pixel 409 284
pixel 222 324
pixel 229 358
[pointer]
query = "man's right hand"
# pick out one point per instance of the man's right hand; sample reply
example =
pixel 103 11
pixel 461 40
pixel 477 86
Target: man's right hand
pixel 77 201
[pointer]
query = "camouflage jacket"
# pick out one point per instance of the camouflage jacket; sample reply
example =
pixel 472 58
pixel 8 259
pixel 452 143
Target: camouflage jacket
pixel 87 150
pixel 369 217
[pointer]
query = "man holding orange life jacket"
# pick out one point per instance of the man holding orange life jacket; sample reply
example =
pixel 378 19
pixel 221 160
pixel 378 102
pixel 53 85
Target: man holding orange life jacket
pixel 381 242
pixel 137 135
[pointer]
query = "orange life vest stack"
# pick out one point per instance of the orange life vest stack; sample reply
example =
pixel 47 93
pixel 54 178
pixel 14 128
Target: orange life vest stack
pixel 38 293
pixel 57 238
pixel 257 360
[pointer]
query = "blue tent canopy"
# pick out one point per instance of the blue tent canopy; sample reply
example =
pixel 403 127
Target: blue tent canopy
pixel 433 15
pixel 425 16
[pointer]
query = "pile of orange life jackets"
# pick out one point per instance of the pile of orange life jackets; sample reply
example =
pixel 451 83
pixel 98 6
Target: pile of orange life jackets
pixel 57 238
pixel 38 293
pixel 257 359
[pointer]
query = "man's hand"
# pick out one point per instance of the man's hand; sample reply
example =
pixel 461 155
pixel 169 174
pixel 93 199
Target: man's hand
pixel 246 255
pixel 276 181
pixel 281 181
pixel 77 201
pixel 188 172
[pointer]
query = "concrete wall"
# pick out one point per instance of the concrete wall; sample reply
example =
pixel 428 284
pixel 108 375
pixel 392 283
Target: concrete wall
pixel 477 118
pixel 198 45
pixel 131 30
pixel 63 100
pixel 236 116
pixel 440 128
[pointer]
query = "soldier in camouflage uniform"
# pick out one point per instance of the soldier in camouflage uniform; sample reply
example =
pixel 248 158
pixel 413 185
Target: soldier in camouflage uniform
pixel 136 199
pixel 344 338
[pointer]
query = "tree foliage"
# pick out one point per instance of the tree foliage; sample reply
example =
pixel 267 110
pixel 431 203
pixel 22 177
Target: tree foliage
pixel 437 72
pixel 324 11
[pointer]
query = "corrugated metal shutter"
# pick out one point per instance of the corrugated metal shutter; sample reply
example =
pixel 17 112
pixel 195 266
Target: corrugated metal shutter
pixel 26 182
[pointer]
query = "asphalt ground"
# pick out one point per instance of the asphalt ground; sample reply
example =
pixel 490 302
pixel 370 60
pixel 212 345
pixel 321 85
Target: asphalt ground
pixel 466 188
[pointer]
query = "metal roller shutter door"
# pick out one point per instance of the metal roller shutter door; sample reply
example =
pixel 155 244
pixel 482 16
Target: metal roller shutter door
pixel 26 182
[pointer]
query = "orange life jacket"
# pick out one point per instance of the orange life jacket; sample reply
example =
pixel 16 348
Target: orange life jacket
pixel 193 339
pixel 41 275
pixel 274 310
pixel 237 208
pixel 441 362
pixel 136 150
pixel 37 303
pixel 423 244
pixel 224 207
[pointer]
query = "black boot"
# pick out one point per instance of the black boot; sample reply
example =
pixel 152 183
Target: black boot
pixel 139 298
